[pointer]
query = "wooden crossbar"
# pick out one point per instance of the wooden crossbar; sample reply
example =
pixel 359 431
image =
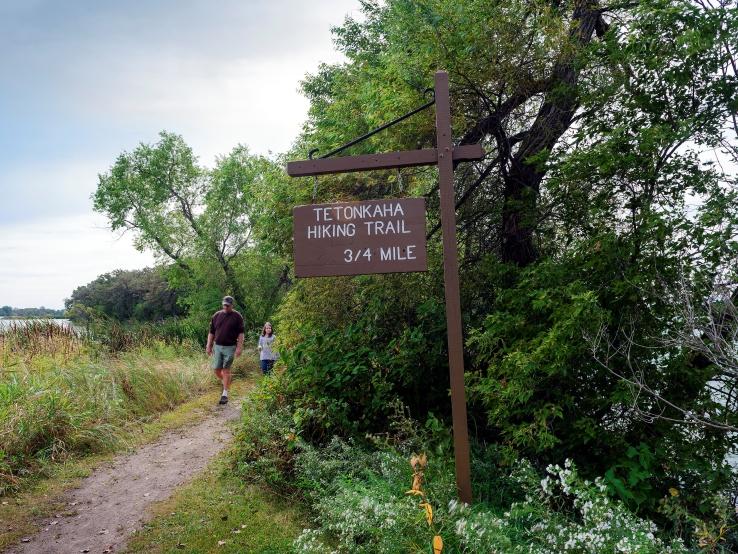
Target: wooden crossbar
pixel 389 160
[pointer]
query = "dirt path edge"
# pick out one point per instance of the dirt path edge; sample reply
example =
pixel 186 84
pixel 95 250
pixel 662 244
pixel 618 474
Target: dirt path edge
pixel 112 503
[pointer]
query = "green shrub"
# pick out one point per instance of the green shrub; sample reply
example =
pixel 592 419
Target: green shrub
pixel 266 440
pixel 357 493
pixel 559 513
pixel 546 398
pixel 354 347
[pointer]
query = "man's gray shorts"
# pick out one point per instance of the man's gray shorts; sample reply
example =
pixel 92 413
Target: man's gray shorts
pixel 223 356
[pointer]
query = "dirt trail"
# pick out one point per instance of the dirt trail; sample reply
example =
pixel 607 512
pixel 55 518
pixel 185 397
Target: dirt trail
pixel 112 503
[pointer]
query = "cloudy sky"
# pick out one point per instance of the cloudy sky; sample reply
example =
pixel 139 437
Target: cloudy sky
pixel 83 80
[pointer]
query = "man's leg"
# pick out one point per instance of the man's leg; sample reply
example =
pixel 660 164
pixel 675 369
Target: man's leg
pixel 225 377
pixel 226 372
pixel 218 362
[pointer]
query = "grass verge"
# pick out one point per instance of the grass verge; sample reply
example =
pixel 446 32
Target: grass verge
pixel 218 512
pixel 52 410
pixel 43 496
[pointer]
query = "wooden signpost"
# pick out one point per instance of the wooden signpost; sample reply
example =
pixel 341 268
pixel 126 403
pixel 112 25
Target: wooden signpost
pixel 386 237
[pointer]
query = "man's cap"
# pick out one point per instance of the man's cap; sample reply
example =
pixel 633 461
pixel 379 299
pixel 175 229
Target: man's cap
pixel 228 300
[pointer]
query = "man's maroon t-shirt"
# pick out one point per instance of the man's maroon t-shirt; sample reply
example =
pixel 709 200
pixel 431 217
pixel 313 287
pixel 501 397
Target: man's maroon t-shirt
pixel 226 327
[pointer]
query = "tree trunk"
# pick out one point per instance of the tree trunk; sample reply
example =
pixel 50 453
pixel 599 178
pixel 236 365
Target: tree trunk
pixel 523 180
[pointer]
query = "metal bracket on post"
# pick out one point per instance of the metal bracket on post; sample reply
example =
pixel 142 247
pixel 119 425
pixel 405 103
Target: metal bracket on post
pixel 315 177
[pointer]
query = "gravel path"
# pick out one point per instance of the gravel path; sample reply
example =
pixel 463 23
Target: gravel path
pixel 113 502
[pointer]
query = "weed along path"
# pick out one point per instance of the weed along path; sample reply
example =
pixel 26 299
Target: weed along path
pixel 109 505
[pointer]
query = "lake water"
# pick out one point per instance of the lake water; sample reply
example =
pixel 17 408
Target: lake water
pixel 7 322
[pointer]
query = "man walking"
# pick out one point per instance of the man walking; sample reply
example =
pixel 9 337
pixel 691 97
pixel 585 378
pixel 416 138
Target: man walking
pixel 225 342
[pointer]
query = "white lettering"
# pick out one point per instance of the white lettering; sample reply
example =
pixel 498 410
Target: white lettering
pixel 397 253
pixel 331 230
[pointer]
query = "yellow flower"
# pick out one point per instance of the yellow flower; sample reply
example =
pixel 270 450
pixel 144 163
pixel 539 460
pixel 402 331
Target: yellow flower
pixel 673 492
pixel 437 544
pixel 428 512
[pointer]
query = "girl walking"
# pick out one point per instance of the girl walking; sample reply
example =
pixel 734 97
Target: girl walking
pixel 266 354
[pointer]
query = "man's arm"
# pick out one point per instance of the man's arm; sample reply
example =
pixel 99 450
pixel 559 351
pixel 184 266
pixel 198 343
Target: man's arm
pixel 239 345
pixel 211 336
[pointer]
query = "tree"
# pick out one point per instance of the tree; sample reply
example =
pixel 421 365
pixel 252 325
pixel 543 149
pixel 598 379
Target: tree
pixel 141 295
pixel 197 218
pixel 595 196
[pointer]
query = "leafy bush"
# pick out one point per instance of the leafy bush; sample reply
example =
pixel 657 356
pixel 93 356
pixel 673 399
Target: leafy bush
pixel 364 496
pixel 348 361
pixel 546 398
pixel 265 442
pixel 360 504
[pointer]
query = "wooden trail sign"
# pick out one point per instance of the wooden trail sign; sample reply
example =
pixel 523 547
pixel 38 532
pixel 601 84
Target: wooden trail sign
pixel 358 238
pixel 314 261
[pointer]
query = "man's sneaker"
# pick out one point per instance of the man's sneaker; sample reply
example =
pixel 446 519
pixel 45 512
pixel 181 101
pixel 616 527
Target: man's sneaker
pixel 223 400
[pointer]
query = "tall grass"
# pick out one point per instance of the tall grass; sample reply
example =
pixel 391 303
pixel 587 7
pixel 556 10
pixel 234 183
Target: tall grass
pixel 65 392
pixel 28 339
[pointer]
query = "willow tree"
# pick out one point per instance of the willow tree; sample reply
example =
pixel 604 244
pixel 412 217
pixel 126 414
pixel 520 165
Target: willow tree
pixel 200 219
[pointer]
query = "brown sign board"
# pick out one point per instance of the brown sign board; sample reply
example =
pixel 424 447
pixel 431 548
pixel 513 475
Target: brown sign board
pixel 358 238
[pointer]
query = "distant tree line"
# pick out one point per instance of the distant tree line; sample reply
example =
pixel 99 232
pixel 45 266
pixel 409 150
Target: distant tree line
pixel 135 295
pixel 9 311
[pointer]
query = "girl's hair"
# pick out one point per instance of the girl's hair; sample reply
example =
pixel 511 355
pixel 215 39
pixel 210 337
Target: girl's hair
pixel 264 329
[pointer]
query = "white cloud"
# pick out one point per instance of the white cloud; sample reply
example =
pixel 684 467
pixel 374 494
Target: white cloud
pixel 47 189
pixel 43 262
pixel 82 82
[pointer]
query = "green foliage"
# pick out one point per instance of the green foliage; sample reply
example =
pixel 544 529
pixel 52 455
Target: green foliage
pixel 197 219
pixel 547 397
pixel 8 311
pixel 266 438
pixel 356 491
pixel 359 504
pixel 141 295
pixel 380 342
